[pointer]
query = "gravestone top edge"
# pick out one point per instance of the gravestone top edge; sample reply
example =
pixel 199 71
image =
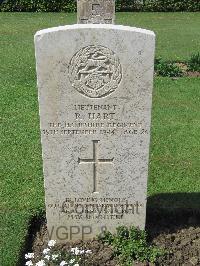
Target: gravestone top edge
pixel 93 26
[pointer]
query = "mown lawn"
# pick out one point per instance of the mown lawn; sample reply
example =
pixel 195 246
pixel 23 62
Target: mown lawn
pixel 175 143
pixel 178 34
pixel 175 160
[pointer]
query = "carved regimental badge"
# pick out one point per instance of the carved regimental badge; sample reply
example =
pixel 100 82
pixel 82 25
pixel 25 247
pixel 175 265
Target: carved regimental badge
pixel 95 71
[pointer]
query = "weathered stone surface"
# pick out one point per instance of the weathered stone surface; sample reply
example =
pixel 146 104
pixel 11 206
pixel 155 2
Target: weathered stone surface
pixel 95 89
pixel 96 11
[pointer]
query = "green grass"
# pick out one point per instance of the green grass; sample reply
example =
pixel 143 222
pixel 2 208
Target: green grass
pixel 178 34
pixel 175 142
pixel 175 164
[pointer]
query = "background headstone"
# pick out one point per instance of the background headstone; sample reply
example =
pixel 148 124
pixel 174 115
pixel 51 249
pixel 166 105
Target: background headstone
pixel 96 11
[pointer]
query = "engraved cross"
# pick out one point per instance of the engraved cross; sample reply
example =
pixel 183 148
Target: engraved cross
pixel 95 162
pixel 97 9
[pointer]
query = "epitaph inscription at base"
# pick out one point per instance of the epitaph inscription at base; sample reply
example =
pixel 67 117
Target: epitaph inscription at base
pixel 95 90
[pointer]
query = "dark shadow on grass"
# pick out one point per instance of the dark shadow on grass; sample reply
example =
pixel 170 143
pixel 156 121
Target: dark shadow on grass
pixel 170 212
pixel 34 227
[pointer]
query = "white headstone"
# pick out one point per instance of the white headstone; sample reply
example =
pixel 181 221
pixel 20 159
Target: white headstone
pixel 95 90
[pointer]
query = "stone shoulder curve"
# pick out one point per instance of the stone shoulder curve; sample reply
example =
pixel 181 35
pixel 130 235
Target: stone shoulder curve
pixel 41 33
